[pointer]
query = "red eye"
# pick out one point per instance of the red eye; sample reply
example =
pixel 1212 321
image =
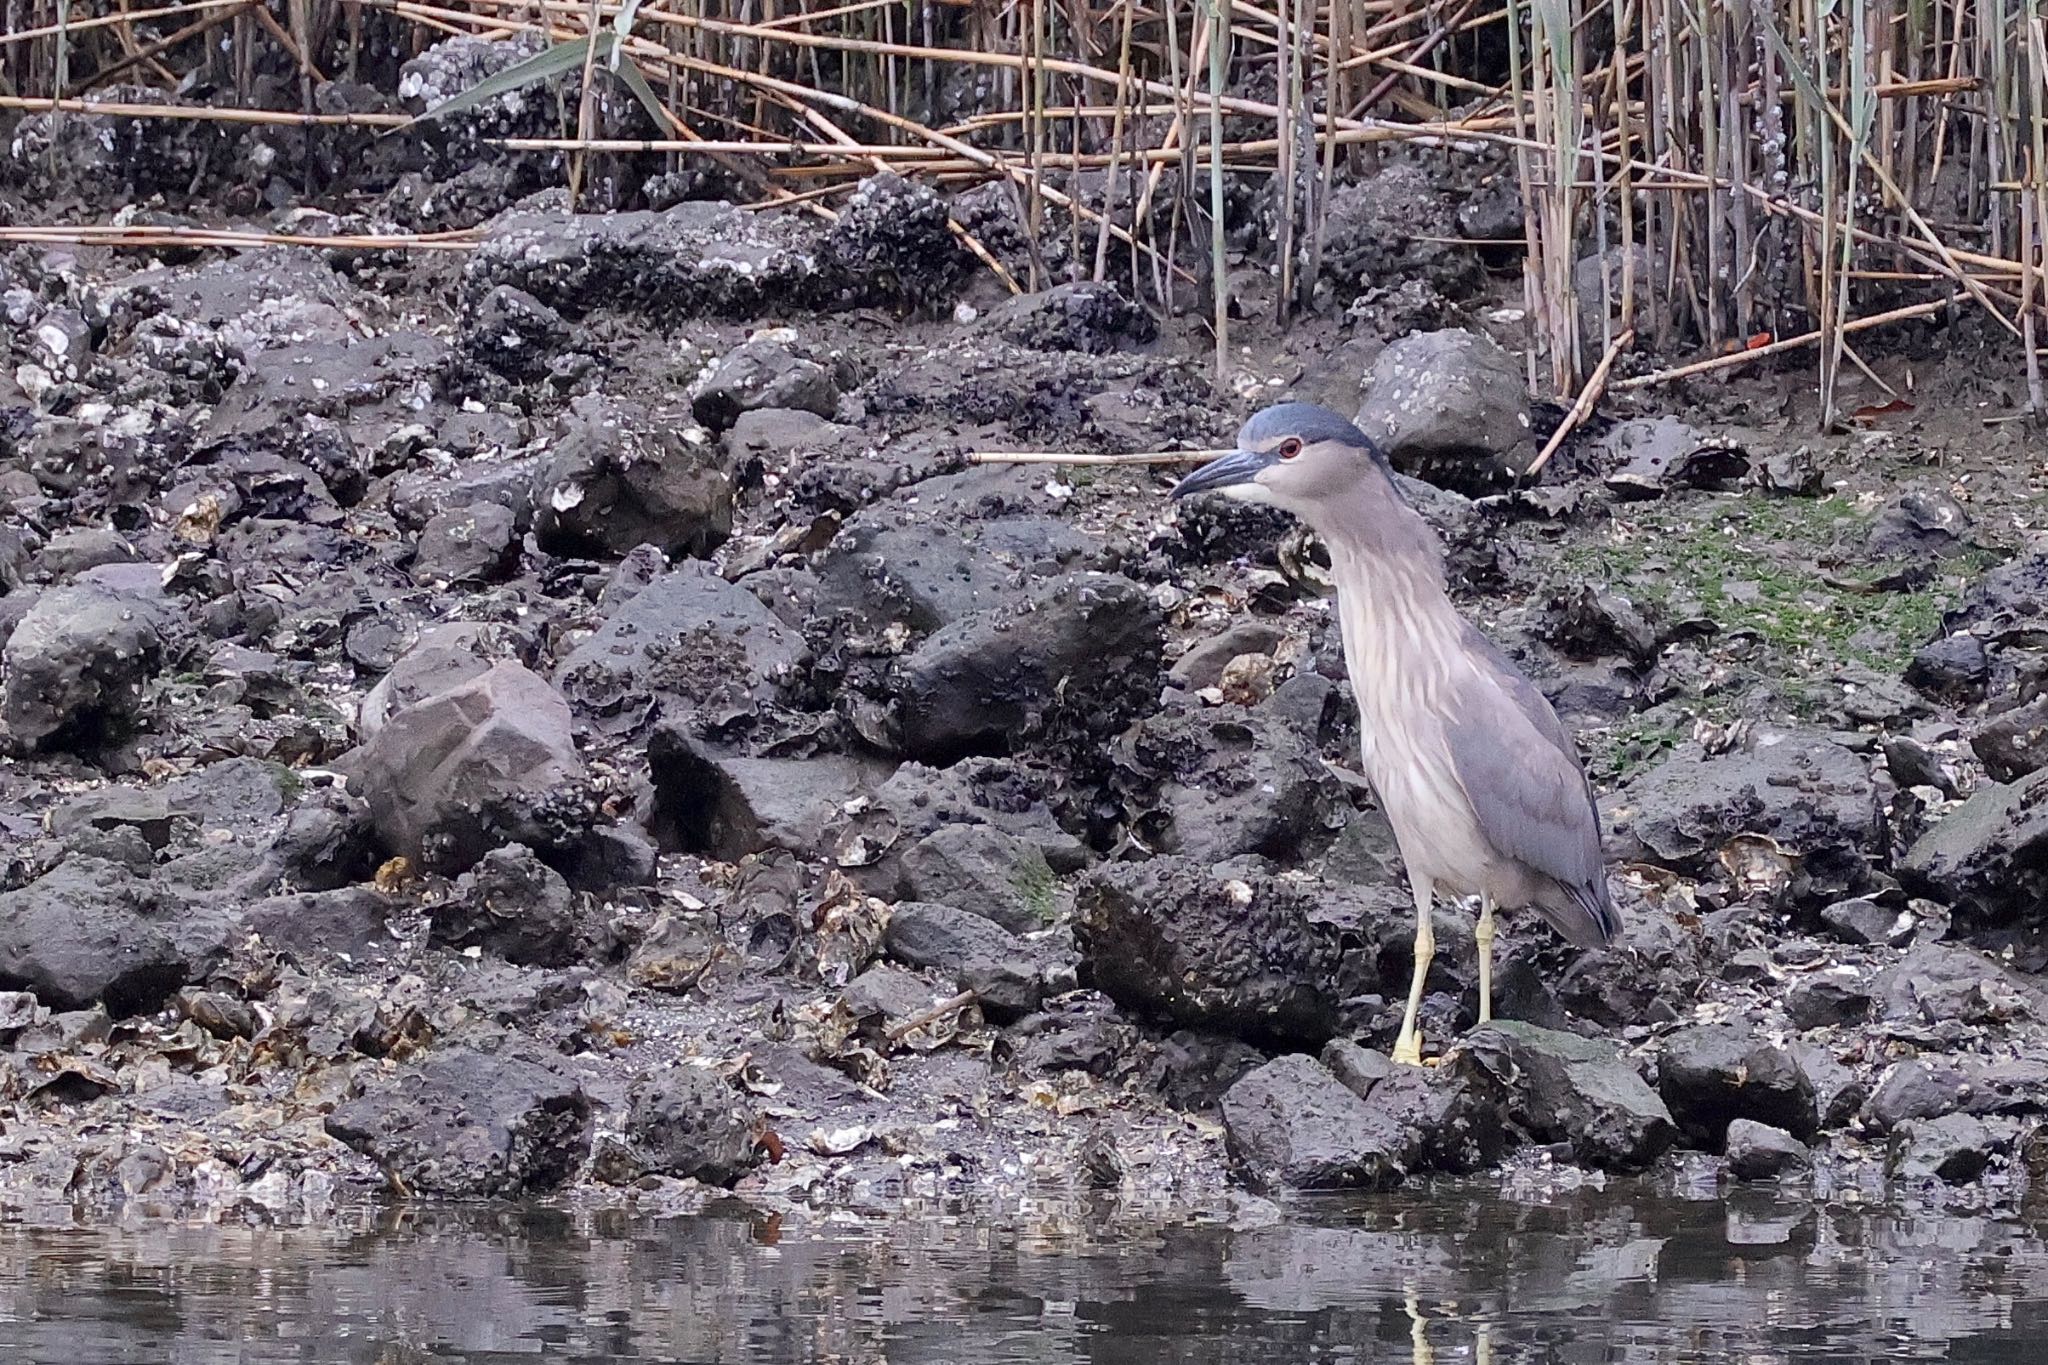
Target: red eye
pixel 1289 448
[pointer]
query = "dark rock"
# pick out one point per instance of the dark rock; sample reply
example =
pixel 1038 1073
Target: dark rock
pixel 1713 1074
pixel 1911 764
pixel 1857 920
pixel 686 640
pixel 76 663
pixel 1917 1088
pixel 239 795
pixel 1095 318
pixel 1594 624
pixel 930 571
pixel 728 807
pixel 1449 406
pixel 1917 525
pixel 489 762
pixel 1986 856
pixel 1192 1071
pixel 1806 796
pixel 1562 1088
pixel 1649 457
pixel 444 656
pixel 1954 1148
pixel 763 374
pixel 981 956
pixel 514 906
pixel 618 475
pixel 1081 649
pixel 1213 783
pixel 1359 1068
pixel 1757 1151
pixel 1938 982
pixel 775 437
pixel 1822 1000
pixel 351 922
pixel 686 1122
pixel 418 498
pixel 1954 668
pixel 889 246
pixel 514 333
pixel 1203 664
pixel 2011 744
pixel 986 872
pixel 472 545
pixel 1081 1032
pixel 1396 224
pixel 88 931
pixel 70 553
pixel 1292 1125
pixel 1839 1093
pixel 886 996
pixel 1259 956
pixel 468 1124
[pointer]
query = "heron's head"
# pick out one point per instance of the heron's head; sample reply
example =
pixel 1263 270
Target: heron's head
pixel 1294 456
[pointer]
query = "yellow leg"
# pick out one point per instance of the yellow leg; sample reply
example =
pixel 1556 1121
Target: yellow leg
pixel 1484 934
pixel 1408 1045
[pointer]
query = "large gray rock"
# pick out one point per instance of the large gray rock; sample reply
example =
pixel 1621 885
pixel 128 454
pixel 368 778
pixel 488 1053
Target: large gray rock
pixel 1954 1149
pixel 1004 972
pixel 1988 857
pixel 927 570
pixel 1563 1088
pixel 1292 1124
pixel 728 806
pixel 1938 982
pixel 687 1123
pixel 685 639
pixel 1214 783
pixel 762 374
pixel 986 872
pixel 1091 317
pixel 471 544
pixel 1080 649
pixel 466 1124
pixel 489 762
pixel 513 906
pixel 618 475
pixel 889 246
pixel 89 932
pixel 1712 1074
pixel 1793 807
pixel 1267 957
pixel 76 664
pixel 1757 1151
pixel 1449 406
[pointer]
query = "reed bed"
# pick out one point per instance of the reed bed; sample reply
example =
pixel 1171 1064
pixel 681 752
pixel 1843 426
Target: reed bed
pixel 1746 177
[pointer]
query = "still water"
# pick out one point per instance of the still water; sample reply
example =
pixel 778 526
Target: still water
pixel 1440 1275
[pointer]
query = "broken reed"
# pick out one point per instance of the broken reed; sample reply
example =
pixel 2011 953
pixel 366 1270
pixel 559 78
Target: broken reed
pixel 1722 171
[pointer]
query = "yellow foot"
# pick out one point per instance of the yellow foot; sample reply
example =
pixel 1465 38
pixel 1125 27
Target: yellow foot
pixel 1408 1050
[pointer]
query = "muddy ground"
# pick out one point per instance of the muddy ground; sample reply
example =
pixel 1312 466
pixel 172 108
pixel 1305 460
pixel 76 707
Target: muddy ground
pixel 564 716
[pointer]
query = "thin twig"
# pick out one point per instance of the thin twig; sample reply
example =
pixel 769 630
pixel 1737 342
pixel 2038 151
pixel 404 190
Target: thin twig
pixel 1588 396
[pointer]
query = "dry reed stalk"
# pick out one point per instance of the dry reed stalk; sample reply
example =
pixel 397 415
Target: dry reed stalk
pixel 1582 408
pixel 1054 457
pixel 202 113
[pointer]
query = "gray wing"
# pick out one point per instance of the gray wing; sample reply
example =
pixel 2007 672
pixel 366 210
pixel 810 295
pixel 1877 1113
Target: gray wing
pixel 1522 774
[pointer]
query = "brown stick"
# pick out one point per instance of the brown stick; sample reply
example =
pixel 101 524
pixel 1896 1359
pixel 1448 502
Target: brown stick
pixel 932 1015
pixel 1588 396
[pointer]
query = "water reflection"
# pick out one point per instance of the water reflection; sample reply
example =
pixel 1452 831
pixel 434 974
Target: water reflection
pixel 1444 1275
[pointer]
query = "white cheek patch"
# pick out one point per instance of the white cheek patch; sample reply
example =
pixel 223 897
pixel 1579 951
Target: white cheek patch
pixel 1248 492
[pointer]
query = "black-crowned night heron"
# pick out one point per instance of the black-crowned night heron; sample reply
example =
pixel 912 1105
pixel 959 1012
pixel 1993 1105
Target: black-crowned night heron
pixel 1479 780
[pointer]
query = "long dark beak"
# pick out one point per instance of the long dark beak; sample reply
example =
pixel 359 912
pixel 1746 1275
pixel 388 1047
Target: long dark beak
pixel 1239 466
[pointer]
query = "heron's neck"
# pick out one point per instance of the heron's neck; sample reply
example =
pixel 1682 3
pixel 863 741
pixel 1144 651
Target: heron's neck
pixel 1402 634
pixel 1381 546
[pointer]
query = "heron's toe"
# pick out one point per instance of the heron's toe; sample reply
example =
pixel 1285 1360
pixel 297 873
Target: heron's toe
pixel 1408 1050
